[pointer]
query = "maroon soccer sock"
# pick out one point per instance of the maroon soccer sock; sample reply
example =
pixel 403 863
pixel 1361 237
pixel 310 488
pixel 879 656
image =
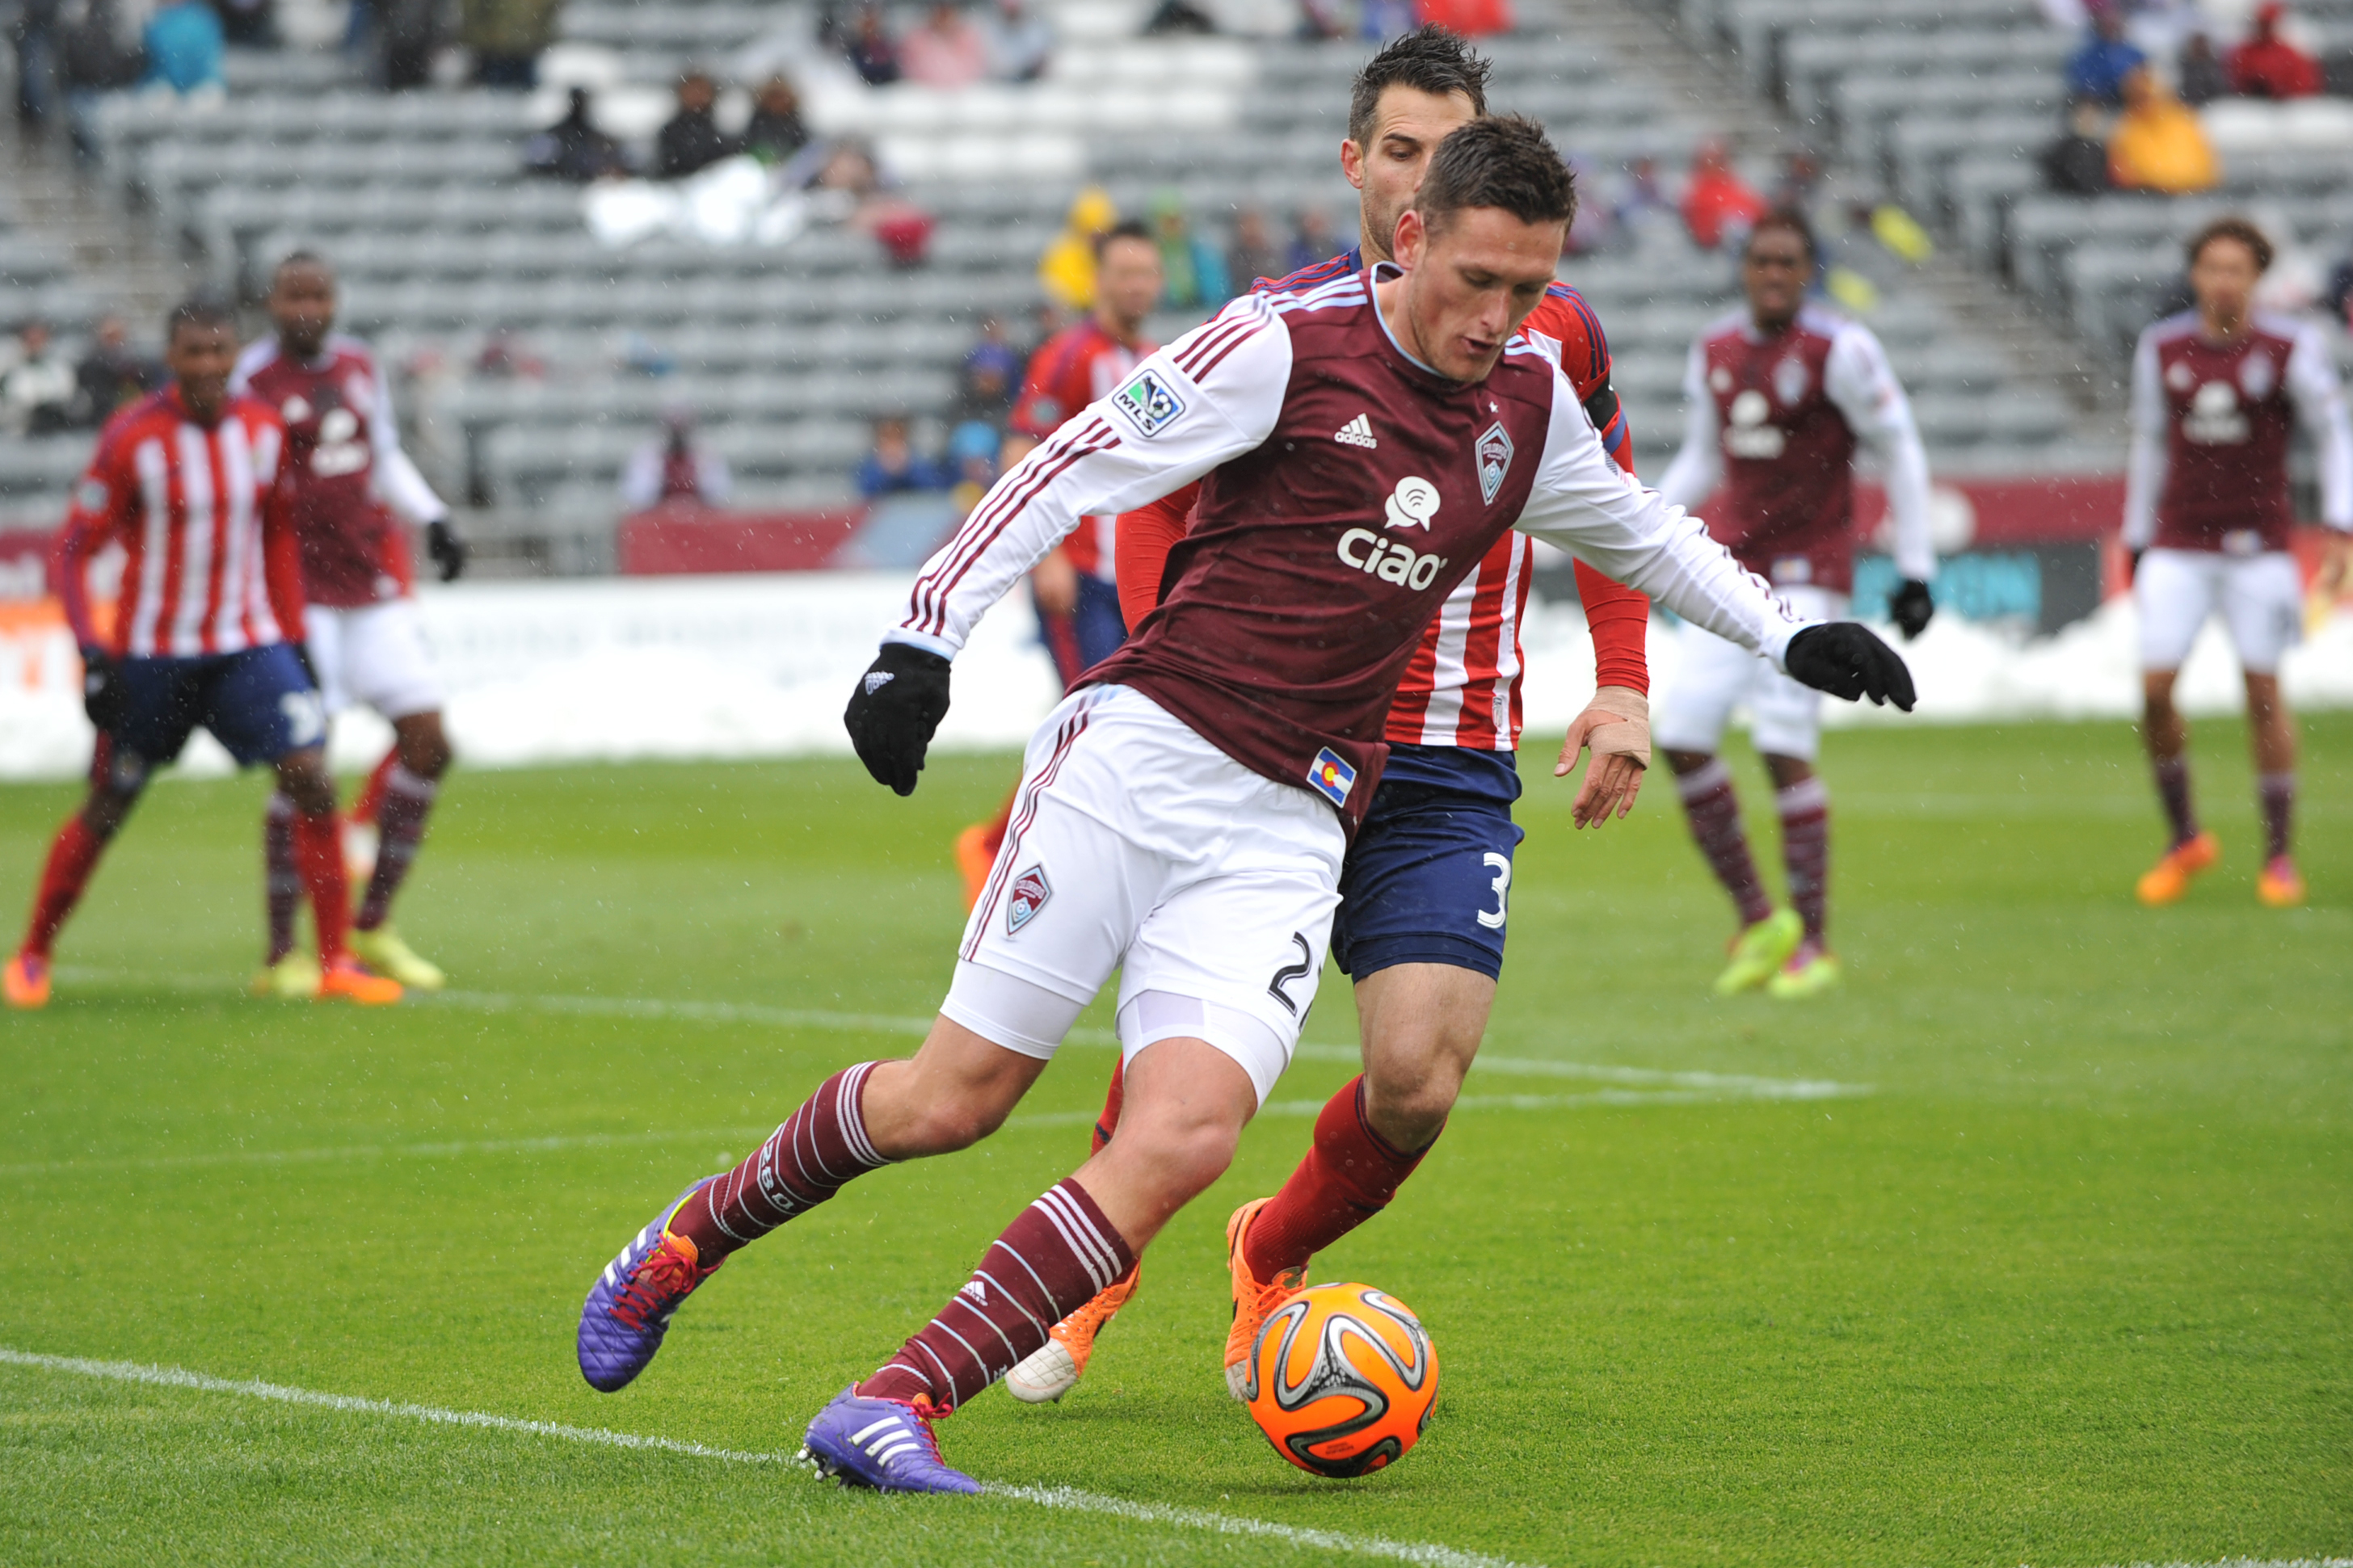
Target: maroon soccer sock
pixel 1049 1263
pixel 1715 812
pixel 2277 792
pixel 400 828
pixel 281 883
pixel 1108 1124
pixel 1349 1175
pixel 72 856
pixel 819 1150
pixel 319 856
pixel 1806 851
pixel 2173 790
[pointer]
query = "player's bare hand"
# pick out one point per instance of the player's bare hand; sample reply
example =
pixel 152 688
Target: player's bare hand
pixel 1616 725
pixel 1056 582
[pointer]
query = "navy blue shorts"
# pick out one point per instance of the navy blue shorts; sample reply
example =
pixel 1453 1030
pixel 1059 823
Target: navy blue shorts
pixel 258 704
pixel 1089 635
pixel 1428 879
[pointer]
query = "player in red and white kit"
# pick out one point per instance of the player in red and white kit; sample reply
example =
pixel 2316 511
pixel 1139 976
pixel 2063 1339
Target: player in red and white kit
pixel 2217 393
pixel 1073 589
pixel 1777 395
pixel 1183 818
pixel 1425 891
pixel 187 482
pixel 348 484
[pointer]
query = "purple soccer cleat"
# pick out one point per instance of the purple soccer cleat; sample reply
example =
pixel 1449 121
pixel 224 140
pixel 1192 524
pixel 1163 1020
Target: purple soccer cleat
pixel 886 1444
pixel 629 1308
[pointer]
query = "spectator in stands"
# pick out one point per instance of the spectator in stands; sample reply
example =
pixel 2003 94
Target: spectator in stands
pixel 39 393
pixel 972 462
pixel 33 32
pixel 97 54
pixel 775 132
pixel 507 38
pixel 1194 274
pixel 112 374
pixel 404 34
pixel 1173 16
pixel 692 140
pixel 2076 165
pixel 844 184
pixel 991 376
pixel 506 356
pixel 2159 144
pixel 574 149
pixel 1718 205
pixel 871 51
pixel 1253 255
pixel 1067 271
pixel 1800 181
pixel 248 24
pixel 1021 43
pixel 184 46
pixel 893 466
pixel 946 51
pixel 2268 66
pixel 1313 241
pixel 2097 70
pixel 2201 75
pixel 675 469
pixel 1640 200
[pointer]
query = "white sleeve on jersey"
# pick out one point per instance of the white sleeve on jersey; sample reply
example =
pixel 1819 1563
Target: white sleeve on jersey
pixel 396 479
pixel 2148 460
pixel 1698 469
pixel 256 354
pixel 2320 404
pixel 1113 455
pixel 1588 506
pixel 1858 380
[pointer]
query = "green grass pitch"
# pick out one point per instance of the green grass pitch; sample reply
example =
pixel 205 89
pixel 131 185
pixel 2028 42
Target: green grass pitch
pixel 2069 1285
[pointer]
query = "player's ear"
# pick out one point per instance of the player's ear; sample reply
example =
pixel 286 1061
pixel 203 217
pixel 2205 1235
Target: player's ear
pixel 1352 161
pixel 1411 237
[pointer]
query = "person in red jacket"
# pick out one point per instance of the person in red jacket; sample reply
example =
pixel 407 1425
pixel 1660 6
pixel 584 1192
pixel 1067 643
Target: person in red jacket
pixel 2268 66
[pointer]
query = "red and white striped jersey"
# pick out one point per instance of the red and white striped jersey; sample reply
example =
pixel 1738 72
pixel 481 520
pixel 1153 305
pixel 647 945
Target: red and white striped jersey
pixel 211 566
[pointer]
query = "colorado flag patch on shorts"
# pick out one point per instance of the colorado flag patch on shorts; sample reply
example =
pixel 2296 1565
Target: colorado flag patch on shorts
pixel 1332 777
pixel 1031 892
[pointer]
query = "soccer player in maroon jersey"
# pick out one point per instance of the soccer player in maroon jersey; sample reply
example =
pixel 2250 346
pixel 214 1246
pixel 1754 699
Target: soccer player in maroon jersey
pixel 2216 394
pixel 1073 588
pixel 1777 395
pixel 345 474
pixel 1184 816
pixel 186 480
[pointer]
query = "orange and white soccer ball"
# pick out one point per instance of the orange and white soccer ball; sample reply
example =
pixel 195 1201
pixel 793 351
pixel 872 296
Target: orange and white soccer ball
pixel 1341 1379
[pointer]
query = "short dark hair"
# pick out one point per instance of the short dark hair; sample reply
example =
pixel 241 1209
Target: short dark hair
pixel 1506 162
pixel 2258 244
pixel 1125 228
pixel 1428 60
pixel 304 257
pixel 1791 220
pixel 199 310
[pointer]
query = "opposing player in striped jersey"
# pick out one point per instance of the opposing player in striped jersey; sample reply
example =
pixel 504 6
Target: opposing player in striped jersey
pixel 1425 890
pixel 346 480
pixel 1777 396
pixel 186 480
pixel 2217 393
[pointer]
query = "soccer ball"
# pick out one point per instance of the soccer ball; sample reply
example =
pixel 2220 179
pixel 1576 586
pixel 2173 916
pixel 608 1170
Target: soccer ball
pixel 1342 1380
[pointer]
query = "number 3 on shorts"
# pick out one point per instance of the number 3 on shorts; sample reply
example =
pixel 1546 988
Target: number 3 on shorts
pixel 1501 865
pixel 306 721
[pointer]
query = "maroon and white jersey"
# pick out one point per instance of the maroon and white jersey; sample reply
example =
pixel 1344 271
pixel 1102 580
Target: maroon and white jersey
pixel 1773 420
pixel 2211 423
pixel 1348 489
pixel 343 465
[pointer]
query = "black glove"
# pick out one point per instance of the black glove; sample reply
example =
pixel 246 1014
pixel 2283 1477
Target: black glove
pixel 1911 607
pixel 1845 660
pixel 448 550
pixel 899 702
pixel 101 688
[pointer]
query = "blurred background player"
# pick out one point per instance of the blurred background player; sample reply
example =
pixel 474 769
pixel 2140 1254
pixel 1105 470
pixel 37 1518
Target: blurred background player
pixel 1076 597
pixel 1425 890
pixel 185 481
pixel 2216 393
pixel 1777 396
pixel 366 638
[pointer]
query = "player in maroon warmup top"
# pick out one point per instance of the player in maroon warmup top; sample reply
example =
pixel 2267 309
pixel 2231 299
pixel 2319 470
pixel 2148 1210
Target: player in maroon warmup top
pixel 346 475
pixel 1183 817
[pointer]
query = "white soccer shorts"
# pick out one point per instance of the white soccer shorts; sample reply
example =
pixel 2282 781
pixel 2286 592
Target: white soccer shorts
pixel 374 655
pixel 2260 597
pixel 1713 676
pixel 1137 846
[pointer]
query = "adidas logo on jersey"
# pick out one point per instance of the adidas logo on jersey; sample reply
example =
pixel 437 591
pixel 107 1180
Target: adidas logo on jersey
pixel 1356 432
pixel 977 1290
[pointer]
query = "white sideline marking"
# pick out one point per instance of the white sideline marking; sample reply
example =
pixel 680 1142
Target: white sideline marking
pixel 1044 1497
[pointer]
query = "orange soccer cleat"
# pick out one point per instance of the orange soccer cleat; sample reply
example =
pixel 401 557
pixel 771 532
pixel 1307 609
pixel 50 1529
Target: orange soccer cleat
pixel 2281 886
pixel 1254 1299
pixel 343 978
pixel 26 980
pixel 2169 878
pixel 1054 1369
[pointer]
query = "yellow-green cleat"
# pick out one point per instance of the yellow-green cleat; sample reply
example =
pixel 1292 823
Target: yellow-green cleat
pixel 293 978
pixel 382 951
pixel 1810 972
pixel 1758 953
